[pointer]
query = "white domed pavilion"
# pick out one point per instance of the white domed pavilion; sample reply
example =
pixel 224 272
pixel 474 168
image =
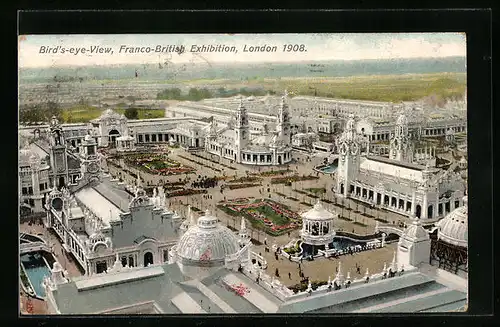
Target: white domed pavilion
pixel 317 228
pixel 449 248
pixel 208 245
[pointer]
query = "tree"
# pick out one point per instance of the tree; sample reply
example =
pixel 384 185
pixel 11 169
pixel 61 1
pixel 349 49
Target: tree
pixel 132 113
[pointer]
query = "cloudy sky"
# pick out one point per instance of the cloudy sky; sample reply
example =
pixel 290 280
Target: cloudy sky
pixel 319 47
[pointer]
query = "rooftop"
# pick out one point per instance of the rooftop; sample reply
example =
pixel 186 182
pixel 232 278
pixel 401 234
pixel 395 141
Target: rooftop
pixel 98 204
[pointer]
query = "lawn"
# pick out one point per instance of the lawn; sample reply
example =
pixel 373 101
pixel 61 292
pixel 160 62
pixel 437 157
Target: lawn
pixel 270 214
pixel 316 190
pixel 85 113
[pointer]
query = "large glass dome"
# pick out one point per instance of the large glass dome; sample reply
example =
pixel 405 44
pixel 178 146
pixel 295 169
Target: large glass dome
pixel 208 241
pixel 453 228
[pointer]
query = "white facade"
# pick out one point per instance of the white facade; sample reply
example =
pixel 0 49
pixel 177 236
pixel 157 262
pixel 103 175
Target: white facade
pixel 234 141
pixel 405 188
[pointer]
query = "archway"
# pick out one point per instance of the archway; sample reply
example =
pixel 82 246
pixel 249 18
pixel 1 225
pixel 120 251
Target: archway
pixel 148 259
pixel 342 188
pixel 418 211
pixel 101 267
pixel 429 211
pixel 279 160
pixel 61 182
pixel 113 135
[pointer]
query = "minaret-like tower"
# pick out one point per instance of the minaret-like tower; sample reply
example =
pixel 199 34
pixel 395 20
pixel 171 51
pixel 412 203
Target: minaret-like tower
pixel 348 145
pixel 241 128
pixel 283 120
pixel 58 154
pixel 400 145
pixel 90 161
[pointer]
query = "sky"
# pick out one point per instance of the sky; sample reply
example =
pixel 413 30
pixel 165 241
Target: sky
pixel 352 46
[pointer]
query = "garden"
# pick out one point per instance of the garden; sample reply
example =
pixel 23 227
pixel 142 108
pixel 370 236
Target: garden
pixel 290 179
pixel 158 164
pixel 269 216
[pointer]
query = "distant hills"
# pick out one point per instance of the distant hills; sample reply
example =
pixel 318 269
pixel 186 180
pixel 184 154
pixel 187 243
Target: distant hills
pixel 169 72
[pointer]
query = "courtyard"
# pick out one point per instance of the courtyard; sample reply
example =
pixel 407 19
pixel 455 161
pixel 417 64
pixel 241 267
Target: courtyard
pixel 266 215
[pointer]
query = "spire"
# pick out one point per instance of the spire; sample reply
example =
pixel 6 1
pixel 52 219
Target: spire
pixel 243 224
pixel 339 277
pixel 384 270
pixel 348 276
pixel 393 263
pixel 329 280
pixel 367 273
pixel 192 218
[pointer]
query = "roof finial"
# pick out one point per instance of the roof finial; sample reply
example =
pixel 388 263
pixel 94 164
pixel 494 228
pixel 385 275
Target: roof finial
pixel 243 224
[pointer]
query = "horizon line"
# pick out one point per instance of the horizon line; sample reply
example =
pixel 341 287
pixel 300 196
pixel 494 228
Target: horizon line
pixel 249 62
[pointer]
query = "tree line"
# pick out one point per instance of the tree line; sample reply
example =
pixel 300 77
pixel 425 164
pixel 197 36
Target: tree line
pixel 195 94
pixel 41 112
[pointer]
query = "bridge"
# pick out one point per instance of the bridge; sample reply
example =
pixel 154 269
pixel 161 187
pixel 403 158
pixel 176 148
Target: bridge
pixel 33 247
pixel 388 229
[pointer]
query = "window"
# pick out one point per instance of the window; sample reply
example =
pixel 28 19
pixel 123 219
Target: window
pixel 165 255
pixel 90 150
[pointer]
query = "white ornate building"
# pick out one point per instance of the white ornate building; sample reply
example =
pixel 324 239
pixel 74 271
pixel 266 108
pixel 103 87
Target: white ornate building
pixel 34 179
pixel 216 276
pixel 317 228
pixel 402 187
pixel 235 142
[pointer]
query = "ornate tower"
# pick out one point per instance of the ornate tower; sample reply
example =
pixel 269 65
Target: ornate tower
pixel 241 130
pixel 58 154
pixel 283 122
pixel 414 245
pixel 90 161
pixel 348 145
pixel 400 145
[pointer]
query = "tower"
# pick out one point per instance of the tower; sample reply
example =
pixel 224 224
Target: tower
pixel 400 146
pixel 414 246
pixel 348 145
pixel 58 154
pixel 283 121
pixel 89 157
pixel 241 130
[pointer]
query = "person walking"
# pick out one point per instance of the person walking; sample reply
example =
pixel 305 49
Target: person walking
pixel 289 275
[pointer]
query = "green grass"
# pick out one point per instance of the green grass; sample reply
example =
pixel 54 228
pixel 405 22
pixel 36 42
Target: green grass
pixel 316 190
pixel 270 214
pixel 85 113
pixel 391 88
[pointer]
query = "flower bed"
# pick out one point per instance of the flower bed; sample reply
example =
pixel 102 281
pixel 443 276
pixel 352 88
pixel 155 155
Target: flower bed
pixel 292 198
pixel 360 224
pixel 184 192
pixel 238 186
pixel 306 204
pixel 345 218
pixel 272 217
pixel 246 179
pixel 158 164
pixel 382 220
pixel 274 172
pixel 291 179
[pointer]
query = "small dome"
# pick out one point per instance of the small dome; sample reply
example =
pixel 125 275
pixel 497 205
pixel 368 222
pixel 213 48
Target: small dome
pixel 207 241
pixel 416 231
pixel 318 212
pixel 453 228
